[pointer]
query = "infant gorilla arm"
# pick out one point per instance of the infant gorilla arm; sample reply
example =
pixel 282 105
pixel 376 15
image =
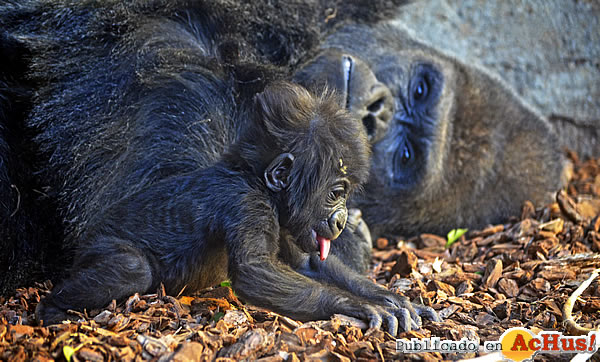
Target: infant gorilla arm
pixel 263 215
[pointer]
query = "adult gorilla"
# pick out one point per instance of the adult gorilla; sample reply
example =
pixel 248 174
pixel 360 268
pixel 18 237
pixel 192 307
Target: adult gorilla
pixel 452 145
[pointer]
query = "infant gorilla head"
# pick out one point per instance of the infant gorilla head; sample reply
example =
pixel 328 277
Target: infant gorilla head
pixel 312 153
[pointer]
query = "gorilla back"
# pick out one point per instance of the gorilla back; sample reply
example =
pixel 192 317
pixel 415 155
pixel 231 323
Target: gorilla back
pixel 95 65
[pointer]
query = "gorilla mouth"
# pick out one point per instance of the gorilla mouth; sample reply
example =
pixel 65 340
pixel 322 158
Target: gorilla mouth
pixel 323 244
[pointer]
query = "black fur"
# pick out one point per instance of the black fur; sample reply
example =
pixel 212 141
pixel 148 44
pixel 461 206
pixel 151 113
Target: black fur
pixel 154 149
pixel 28 237
pixel 69 53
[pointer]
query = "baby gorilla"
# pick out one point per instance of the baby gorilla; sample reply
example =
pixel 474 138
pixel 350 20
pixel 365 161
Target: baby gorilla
pixel 263 215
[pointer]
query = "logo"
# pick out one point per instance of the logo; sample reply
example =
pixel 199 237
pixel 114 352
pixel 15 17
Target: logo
pixel 520 344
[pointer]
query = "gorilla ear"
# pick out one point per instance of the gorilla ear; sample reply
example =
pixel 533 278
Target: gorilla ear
pixel 276 175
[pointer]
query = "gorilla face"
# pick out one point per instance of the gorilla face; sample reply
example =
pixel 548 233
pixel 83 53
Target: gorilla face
pixel 409 160
pixel 400 158
pixel 398 101
pixel 358 88
pixel 452 146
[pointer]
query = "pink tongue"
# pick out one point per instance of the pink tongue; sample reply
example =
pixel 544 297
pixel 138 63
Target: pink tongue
pixel 324 244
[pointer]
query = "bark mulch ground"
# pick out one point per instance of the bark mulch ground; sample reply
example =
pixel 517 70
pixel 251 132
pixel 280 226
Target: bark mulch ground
pixel 515 274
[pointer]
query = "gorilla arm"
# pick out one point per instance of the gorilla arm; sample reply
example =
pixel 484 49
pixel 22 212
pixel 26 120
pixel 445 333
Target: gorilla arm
pixel 262 272
pixel 152 238
pixel 336 272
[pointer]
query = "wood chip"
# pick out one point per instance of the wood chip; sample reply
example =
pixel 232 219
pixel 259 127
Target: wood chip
pixel 516 274
pixel 405 263
pixel 493 272
pixel 568 207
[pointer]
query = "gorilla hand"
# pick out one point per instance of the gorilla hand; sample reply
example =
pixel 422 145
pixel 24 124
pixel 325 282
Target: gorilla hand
pixel 379 303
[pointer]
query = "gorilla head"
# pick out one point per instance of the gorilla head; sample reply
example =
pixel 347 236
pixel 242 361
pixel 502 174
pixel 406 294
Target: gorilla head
pixel 452 145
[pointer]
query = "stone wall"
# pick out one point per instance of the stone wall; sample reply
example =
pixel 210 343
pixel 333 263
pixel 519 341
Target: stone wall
pixel 548 50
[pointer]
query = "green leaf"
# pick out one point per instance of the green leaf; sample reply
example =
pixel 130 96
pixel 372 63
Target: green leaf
pixel 218 316
pixel 227 283
pixel 454 235
pixel 68 351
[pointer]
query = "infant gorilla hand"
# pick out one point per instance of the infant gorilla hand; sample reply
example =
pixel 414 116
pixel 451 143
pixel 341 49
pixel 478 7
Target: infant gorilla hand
pixel 400 313
pixel 345 269
pixel 396 313
pixel 359 228
pixel 408 314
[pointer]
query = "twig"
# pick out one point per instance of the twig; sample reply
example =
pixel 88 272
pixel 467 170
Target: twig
pixel 572 326
pixel 181 291
pixel 100 331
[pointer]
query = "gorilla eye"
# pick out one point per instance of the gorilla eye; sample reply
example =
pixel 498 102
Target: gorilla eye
pixel 406 153
pixel 338 192
pixel 421 89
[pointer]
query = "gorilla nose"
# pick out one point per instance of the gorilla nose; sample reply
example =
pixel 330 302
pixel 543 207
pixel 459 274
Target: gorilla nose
pixel 376 112
pixel 337 222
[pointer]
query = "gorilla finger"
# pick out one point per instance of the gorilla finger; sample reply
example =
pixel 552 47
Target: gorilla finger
pixel 415 317
pixel 374 317
pixel 362 230
pixel 392 323
pixel 405 322
pixel 415 310
pixel 354 217
pixel 403 302
pixel 427 313
pixel 416 323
